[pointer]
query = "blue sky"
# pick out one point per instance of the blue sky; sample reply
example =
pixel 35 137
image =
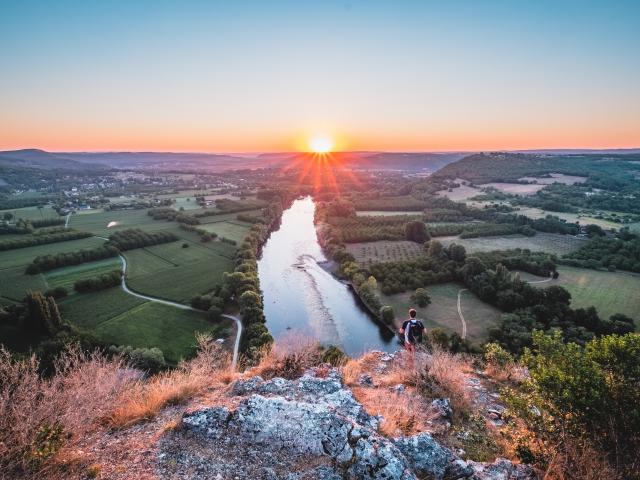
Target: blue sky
pixel 249 76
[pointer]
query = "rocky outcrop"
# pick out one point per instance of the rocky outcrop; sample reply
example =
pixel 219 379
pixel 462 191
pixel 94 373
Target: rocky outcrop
pixel 307 428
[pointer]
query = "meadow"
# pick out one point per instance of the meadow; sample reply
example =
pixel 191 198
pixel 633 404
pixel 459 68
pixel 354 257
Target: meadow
pixel 175 273
pixel 461 193
pixel 67 276
pixel 383 213
pixel 32 213
pixel 515 188
pixel 98 223
pixel 231 229
pixel 545 242
pixel 443 310
pixel 156 325
pixel 609 292
pixel 23 256
pixel 118 318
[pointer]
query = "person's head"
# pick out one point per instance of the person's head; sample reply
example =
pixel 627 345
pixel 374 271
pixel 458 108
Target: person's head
pixel 412 313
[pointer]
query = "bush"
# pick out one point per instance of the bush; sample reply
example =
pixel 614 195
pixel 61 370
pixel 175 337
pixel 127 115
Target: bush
pixel 496 356
pixel 421 297
pixel 104 281
pixel 334 356
pixel 387 315
pixel 150 360
pixel 57 293
pixel 585 394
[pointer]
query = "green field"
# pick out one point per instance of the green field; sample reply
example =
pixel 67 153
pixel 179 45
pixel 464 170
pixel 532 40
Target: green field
pixel 175 273
pixel 155 325
pixel 14 283
pixel 187 203
pixel 118 318
pixel 225 217
pixel 98 222
pixel 609 292
pixel 233 229
pixel 443 310
pixel 89 310
pixel 24 256
pixel 384 213
pixel 67 276
pixel 544 242
pixel 32 213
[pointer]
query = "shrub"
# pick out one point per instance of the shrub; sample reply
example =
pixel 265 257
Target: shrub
pixel 57 293
pixel 334 356
pixel 150 360
pixel 587 395
pixel 421 297
pixel 496 356
pixel 387 315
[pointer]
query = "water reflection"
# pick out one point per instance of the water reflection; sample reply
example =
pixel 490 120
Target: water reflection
pixel 299 295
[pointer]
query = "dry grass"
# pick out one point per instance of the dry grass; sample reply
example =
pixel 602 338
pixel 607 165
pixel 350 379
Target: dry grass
pixel 426 375
pixel 145 399
pixel 575 460
pixel 38 416
pixel 288 358
pixel 403 413
pixel 443 376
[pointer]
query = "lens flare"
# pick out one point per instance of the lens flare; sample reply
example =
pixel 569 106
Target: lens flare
pixel 321 144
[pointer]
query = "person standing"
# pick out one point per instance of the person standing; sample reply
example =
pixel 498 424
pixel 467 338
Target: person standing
pixel 412 329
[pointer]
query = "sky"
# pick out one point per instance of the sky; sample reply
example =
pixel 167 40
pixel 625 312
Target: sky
pixel 248 76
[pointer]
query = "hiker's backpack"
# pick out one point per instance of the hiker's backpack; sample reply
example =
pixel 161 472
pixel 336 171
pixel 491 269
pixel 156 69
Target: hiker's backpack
pixel 415 330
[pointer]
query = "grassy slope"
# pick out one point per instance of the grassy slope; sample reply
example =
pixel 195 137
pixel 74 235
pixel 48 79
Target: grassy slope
pixel 152 324
pixel 116 317
pixel 443 310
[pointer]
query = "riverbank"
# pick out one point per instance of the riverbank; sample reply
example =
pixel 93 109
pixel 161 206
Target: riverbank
pixel 302 295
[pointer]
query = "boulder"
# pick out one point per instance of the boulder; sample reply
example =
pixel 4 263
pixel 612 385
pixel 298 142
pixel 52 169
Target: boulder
pixel 309 428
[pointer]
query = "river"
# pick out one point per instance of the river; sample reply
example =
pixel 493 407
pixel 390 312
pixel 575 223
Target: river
pixel 300 297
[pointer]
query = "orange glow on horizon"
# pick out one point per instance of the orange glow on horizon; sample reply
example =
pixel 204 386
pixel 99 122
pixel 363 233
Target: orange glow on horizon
pixel 77 137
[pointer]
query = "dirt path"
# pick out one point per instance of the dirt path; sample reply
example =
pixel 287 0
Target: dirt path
pixel 236 344
pixel 464 324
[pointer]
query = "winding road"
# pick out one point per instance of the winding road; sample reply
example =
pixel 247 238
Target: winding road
pixel 464 323
pixel 236 344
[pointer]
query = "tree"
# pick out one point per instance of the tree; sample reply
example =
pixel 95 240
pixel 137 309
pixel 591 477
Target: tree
pixel 587 393
pixel 434 248
pixel 421 297
pixel 8 216
pixel 214 313
pixel 416 231
pixel 457 253
pixel 387 315
pixel 594 230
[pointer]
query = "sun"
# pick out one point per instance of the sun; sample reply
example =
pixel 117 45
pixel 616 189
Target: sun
pixel 320 144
